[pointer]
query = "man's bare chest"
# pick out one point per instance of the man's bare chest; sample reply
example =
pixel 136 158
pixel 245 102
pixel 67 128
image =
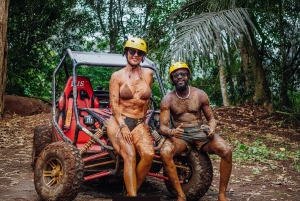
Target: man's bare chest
pixel 180 107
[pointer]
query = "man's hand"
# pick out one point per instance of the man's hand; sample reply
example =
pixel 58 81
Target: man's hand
pixel 210 134
pixel 126 134
pixel 177 132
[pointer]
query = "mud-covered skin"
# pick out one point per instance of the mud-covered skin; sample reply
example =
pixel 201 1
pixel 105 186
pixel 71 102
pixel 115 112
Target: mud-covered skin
pixel 186 112
pixel 132 104
pixel 199 180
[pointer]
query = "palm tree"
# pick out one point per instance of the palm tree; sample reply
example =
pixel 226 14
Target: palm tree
pixel 205 34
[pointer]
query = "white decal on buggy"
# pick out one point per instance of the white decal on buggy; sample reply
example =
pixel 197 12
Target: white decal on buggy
pixel 79 84
pixel 89 120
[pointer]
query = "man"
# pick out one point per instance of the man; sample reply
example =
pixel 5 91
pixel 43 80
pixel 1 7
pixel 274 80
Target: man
pixel 184 106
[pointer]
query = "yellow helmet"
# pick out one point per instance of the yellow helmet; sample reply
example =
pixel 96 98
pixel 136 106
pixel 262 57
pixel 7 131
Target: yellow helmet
pixel 136 43
pixel 178 65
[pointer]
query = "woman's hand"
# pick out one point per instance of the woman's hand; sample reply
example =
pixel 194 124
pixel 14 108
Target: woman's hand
pixel 126 134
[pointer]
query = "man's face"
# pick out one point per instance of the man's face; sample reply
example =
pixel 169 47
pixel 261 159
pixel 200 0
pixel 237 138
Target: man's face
pixel 180 79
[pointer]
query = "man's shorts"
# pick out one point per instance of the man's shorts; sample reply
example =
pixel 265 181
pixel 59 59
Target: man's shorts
pixel 194 136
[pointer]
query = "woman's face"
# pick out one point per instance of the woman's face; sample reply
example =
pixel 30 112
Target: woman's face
pixel 135 56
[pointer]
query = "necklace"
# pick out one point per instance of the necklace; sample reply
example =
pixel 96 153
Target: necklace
pixel 182 98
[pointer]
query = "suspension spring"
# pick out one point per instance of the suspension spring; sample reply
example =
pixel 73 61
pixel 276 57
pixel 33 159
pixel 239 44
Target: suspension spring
pixel 87 145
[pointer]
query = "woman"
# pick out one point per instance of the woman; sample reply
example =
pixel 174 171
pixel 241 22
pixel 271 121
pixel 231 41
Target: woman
pixel 130 91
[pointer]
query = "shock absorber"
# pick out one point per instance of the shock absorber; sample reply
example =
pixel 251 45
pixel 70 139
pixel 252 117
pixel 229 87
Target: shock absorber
pixel 157 137
pixel 87 145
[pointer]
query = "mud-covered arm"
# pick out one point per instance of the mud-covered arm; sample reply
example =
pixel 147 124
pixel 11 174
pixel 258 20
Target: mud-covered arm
pixel 114 88
pixel 149 76
pixel 164 119
pixel 209 115
pixel 114 98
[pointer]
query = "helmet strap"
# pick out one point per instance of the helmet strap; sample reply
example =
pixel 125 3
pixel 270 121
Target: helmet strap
pixel 133 67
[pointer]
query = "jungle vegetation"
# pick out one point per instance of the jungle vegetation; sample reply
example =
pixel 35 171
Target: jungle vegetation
pixel 240 52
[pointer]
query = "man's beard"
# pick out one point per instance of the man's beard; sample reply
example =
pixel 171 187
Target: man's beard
pixel 181 87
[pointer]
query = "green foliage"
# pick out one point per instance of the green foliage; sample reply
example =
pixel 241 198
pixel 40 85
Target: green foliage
pixel 280 52
pixel 207 82
pixel 257 151
pixel 38 31
pixel 296 159
pixel 99 77
pixel 157 95
pixel 276 42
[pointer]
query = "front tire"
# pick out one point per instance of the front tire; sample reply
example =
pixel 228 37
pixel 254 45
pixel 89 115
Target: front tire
pixel 196 176
pixel 42 137
pixel 58 173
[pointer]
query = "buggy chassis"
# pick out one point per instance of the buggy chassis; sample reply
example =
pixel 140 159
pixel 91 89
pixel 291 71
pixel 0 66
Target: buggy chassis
pixel 75 147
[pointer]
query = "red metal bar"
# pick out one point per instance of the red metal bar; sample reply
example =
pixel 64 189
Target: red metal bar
pixel 160 176
pixel 156 156
pixel 97 175
pixel 95 156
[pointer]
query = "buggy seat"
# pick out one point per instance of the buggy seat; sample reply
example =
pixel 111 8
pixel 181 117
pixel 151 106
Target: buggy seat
pixel 85 99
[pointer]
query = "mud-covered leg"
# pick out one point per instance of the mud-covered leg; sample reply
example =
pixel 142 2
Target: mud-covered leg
pixel 219 147
pixel 225 172
pixel 144 146
pixel 129 156
pixel 128 153
pixel 167 152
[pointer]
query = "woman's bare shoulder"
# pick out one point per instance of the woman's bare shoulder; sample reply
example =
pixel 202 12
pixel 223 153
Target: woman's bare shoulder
pixel 147 71
pixel 121 71
pixel 118 74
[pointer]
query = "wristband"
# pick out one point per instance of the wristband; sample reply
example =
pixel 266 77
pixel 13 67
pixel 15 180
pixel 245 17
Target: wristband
pixel 122 125
pixel 120 128
pixel 170 132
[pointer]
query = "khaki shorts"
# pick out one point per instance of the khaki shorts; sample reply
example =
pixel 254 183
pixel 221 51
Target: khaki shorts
pixel 194 136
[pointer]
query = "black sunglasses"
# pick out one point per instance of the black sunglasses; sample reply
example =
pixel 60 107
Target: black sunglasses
pixel 182 74
pixel 139 53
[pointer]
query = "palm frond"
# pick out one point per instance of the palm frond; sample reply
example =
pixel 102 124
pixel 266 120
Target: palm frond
pixel 201 6
pixel 205 33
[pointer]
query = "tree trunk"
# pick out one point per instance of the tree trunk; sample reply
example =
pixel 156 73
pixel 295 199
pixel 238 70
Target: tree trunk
pixel 3 51
pixel 284 100
pixel 262 94
pixel 113 28
pixel 229 63
pixel 245 60
pixel 223 83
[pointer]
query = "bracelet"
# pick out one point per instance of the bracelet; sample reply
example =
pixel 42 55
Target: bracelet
pixel 119 129
pixel 170 132
pixel 122 125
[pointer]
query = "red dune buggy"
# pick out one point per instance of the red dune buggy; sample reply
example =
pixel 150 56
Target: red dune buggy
pixel 75 147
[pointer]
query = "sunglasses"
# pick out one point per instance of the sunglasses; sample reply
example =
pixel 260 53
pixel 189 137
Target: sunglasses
pixel 182 74
pixel 139 53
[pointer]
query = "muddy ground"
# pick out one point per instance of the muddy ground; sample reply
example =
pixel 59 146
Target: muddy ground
pixel 250 181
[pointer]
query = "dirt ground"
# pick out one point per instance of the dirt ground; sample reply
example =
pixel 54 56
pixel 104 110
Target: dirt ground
pixel 250 181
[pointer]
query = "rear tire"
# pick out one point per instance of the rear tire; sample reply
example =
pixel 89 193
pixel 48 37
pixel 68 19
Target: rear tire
pixel 41 138
pixel 197 177
pixel 58 173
